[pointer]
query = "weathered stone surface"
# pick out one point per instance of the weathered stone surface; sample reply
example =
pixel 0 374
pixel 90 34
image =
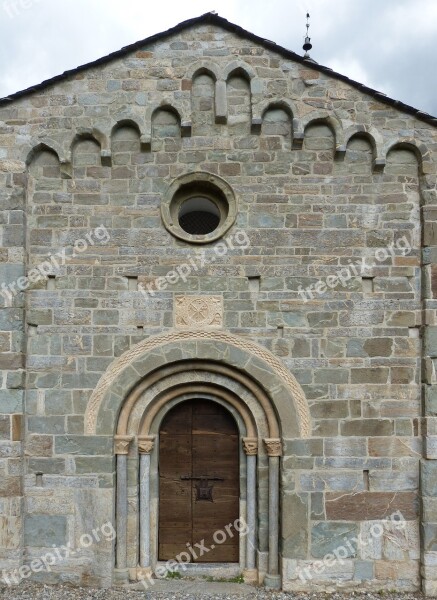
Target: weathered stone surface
pixel 370 505
pixel 45 530
pixel 367 427
pixel 327 537
pixel 294 536
pixel 39 445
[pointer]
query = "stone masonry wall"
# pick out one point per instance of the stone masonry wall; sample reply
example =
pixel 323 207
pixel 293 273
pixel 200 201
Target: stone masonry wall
pixel 325 177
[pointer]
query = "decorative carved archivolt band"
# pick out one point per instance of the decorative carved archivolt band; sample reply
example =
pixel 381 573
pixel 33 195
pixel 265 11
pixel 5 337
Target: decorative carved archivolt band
pixel 198 311
pixel 155 342
pixel 273 446
pixel 250 446
pixel 146 444
pixel 122 443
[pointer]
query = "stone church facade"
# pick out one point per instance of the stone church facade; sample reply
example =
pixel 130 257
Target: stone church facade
pixel 217 323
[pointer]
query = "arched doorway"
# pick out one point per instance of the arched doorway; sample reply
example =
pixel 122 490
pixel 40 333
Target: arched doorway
pixel 199 483
pixel 130 404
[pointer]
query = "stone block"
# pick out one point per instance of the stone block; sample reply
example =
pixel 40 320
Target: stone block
pixel 333 375
pixel 378 346
pixel 428 477
pixel 10 532
pixel 429 509
pixel 328 537
pixel 430 447
pixel 393 446
pixel 372 375
pixel 38 445
pixel 95 464
pixel 84 445
pixel 363 570
pixel 383 481
pixel 46 425
pixel 310 447
pixel 294 536
pixel 5 427
pixel 370 505
pixel 342 446
pixel 45 531
pixel 430 341
pixel 49 466
pixel 10 486
pixel 322 319
pixel 367 427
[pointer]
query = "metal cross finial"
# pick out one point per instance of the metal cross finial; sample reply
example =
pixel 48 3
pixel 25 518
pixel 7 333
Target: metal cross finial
pixel 307 45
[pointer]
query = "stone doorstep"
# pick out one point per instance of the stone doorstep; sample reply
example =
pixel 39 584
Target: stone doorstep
pixel 193 580
pixel 216 570
pixel 194 587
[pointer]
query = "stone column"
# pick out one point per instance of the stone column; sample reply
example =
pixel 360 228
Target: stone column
pixel 122 443
pixel 145 448
pixel 250 446
pixel 221 102
pixel 428 476
pixel 272 579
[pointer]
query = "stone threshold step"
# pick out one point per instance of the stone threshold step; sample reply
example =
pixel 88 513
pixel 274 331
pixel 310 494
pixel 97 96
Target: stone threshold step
pixel 197 587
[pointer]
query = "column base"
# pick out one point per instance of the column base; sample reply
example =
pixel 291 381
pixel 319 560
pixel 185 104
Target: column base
pixel 429 587
pixel 272 582
pixel 121 576
pixel 141 573
pixel 250 576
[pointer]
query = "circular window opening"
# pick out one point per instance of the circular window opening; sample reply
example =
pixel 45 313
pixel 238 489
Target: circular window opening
pixel 199 208
pixel 199 216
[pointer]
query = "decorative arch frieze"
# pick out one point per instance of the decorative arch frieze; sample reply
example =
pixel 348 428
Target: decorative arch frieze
pixel 257 363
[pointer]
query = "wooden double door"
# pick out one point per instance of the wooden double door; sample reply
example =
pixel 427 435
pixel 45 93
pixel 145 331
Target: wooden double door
pixel 199 483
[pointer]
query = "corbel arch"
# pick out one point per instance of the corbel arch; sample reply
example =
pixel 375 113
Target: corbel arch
pixel 46 145
pixel 239 65
pixel 323 117
pixel 89 133
pixel 127 122
pixel 370 133
pixel 181 113
pixel 203 66
pixel 419 150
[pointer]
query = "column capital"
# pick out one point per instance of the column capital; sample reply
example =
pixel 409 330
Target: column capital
pixel 273 446
pixel 146 443
pixel 250 446
pixel 122 443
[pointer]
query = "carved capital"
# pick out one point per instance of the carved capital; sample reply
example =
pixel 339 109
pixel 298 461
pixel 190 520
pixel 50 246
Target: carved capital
pixel 273 446
pixel 146 444
pixel 250 446
pixel 122 443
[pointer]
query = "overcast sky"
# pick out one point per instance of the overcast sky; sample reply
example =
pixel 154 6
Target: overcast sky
pixel 390 45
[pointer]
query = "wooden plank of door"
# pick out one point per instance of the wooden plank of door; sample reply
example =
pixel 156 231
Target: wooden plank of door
pixel 175 506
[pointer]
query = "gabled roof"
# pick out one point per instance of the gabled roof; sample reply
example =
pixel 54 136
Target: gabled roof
pixel 214 19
